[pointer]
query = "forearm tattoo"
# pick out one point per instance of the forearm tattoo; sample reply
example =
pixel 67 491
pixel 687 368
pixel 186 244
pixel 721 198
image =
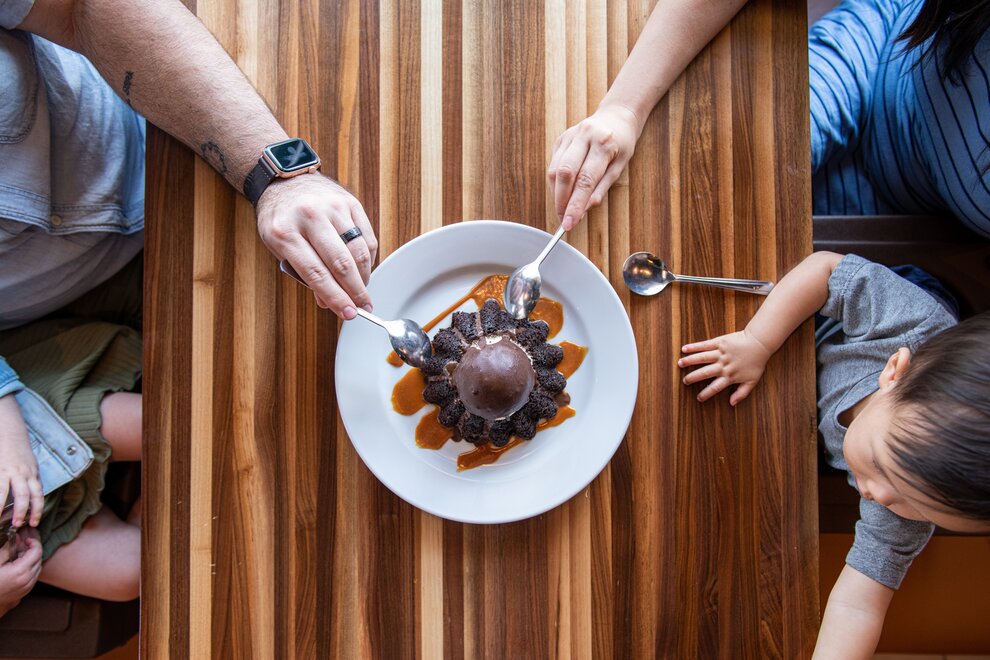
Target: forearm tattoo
pixel 213 155
pixel 128 79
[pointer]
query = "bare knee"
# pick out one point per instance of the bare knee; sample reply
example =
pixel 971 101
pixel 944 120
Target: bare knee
pixel 121 415
pixel 104 561
pixel 124 583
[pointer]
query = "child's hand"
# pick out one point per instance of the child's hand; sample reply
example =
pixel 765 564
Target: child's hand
pixel 18 467
pixel 738 357
pixel 20 572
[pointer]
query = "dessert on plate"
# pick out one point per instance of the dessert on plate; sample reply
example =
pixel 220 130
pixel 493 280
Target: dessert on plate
pixel 493 377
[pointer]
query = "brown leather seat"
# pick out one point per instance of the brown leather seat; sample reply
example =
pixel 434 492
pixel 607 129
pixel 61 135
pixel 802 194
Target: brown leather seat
pixel 939 245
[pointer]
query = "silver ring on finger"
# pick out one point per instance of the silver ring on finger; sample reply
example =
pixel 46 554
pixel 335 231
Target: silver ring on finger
pixel 350 235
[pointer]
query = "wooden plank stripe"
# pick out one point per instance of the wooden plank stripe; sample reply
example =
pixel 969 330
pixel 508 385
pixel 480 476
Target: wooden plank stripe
pixel 201 459
pixel 429 529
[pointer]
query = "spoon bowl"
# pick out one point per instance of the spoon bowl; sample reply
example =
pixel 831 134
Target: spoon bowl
pixel 409 341
pixel 522 289
pixel 646 274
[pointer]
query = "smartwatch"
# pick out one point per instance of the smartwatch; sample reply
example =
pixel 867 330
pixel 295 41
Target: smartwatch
pixel 281 160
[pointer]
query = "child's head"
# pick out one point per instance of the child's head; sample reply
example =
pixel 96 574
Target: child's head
pixel 921 446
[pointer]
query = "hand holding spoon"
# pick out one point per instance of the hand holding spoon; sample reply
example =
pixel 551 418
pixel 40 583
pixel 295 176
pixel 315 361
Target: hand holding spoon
pixel 409 341
pixel 522 290
pixel 647 275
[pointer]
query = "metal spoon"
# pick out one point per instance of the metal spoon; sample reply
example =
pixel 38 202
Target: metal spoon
pixel 408 339
pixel 522 289
pixel 647 275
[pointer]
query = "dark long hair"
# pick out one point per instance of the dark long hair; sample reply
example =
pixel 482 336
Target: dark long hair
pixel 942 439
pixel 960 24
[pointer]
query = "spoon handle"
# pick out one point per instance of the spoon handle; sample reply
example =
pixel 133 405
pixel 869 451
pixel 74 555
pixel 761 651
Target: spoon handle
pixel 546 250
pixel 286 268
pixel 371 317
pixel 760 287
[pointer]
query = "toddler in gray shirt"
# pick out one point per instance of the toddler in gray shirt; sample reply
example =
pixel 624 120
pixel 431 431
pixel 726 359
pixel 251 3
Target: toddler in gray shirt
pixel 903 406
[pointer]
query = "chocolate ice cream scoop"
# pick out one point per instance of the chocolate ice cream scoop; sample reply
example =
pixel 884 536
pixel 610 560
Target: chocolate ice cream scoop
pixel 494 380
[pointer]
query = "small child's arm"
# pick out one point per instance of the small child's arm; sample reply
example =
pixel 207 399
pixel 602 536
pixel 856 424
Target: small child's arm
pixel 853 617
pixel 740 357
pixel 18 466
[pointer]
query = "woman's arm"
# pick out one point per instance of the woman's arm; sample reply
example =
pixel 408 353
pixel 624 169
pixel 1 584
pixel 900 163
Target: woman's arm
pixel 740 357
pixel 853 617
pixel 164 62
pixel 588 157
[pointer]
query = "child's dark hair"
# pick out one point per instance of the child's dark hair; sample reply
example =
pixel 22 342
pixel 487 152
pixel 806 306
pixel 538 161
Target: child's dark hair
pixel 943 442
pixel 958 24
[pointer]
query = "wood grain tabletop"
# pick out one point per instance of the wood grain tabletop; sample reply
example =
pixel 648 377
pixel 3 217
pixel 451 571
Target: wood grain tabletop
pixel 265 536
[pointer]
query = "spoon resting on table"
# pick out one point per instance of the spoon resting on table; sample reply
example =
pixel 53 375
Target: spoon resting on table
pixel 409 341
pixel 647 275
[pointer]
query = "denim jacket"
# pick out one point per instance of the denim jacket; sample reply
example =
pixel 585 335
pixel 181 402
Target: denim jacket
pixel 9 382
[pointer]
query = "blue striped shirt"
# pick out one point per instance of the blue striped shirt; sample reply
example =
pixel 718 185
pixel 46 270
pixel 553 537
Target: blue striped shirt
pixel 888 134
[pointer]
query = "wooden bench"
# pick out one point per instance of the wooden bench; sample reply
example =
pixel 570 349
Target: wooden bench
pixel 939 245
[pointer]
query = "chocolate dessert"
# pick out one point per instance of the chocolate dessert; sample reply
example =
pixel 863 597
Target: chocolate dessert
pixel 494 377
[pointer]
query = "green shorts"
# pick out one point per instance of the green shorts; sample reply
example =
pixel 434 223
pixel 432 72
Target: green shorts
pixel 73 358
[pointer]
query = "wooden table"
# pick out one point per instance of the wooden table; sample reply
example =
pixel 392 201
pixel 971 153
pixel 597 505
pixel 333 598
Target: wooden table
pixel 265 535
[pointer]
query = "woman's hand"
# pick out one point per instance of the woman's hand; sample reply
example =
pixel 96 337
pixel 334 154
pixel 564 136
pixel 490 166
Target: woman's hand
pixel 735 358
pixel 18 467
pixel 587 159
pixel 20 566
pixel 301 219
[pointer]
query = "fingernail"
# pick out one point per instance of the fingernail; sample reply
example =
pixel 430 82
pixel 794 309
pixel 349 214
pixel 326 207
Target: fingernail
pixel 349 312
pixel 368 307
pixel 568 221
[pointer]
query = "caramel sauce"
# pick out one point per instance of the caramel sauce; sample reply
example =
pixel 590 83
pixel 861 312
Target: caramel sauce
pixel 487 454
pixel 550 311
pixel 483 455
pixel 564 413
pixel 573 357
pixel 430 433
pixel 407 395
pixel 493 286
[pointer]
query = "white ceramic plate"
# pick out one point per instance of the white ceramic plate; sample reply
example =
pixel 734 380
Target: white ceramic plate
pixel 424 277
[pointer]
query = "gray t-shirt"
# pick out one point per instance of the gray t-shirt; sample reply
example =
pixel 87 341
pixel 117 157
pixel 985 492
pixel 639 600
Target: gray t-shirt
pixel 871 312
pixel 72 175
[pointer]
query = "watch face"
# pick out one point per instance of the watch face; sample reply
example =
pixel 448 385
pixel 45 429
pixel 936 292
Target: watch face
pixel 292 155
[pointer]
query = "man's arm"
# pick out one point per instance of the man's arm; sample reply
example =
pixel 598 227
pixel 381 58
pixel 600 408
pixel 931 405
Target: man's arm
pixel 164 62
pixel 853 617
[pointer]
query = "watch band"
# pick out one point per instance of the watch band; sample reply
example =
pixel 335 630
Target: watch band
pixel 257 180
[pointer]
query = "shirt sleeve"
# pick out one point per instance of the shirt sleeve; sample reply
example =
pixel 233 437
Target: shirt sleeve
pixel 843 59
pixel 13 12
pixel 886 544
pixel 875 304
pixel 9 382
